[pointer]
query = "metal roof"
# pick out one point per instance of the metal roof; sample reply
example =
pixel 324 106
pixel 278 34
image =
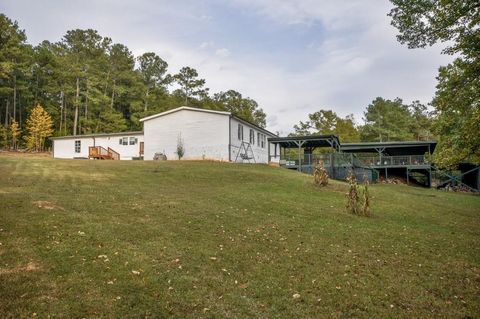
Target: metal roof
pixel 98 135
pixel 391 148
pixel 307 141
pixel 188 108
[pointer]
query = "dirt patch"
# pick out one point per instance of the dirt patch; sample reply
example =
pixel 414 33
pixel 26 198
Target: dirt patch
pixel 47 205
pixel 30 267
pixel 25 154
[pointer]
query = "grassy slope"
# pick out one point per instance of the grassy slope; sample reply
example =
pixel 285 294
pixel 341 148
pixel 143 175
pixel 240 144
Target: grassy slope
pixel 272 233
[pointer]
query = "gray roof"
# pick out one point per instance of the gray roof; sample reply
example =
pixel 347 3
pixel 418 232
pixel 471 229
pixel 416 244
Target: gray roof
pixel 98 135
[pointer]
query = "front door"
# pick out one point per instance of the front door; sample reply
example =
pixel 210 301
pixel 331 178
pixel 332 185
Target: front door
pixel 141 149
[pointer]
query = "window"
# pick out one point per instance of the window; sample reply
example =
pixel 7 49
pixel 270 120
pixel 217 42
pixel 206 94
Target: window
pixel 133 140
pixel 124 140
pixel 78 146
pixel 252 137
pixel 240 132
pixel 263 140
pixel 258 138
pixel 120 141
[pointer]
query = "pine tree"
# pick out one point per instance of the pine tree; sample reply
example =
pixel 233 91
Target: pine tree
pixel 39 127
pixel 15 133
pixel 3 136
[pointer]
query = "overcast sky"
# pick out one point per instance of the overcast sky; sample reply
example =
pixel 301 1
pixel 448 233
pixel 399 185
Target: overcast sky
pixel 292 57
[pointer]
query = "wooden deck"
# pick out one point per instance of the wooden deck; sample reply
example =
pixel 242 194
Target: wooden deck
pixel 102 153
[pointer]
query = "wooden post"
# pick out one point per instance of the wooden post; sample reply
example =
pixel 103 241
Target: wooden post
pixel 407 177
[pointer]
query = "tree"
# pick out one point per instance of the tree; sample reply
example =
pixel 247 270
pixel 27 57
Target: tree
pixel 39 127
pixel 15 133
pixel 190 84
pixel 325 122
pixel 386 120
pixel 245 108
pixel 153 70
pixel 457 109
pixel 421 121
pixel 3 136
pixel 423 23
pixel 14 59
pixel 88 84
pixel 83 51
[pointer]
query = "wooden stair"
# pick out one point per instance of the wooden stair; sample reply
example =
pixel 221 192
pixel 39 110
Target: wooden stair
pixel 102 153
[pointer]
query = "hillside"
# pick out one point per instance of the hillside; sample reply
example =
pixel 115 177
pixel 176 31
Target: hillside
pixel 198 239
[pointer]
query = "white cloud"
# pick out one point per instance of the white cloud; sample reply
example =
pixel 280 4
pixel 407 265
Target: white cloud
pixel 223 52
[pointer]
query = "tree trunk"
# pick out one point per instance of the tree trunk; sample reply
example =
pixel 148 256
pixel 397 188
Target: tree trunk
pixel 62 103
pixel 19 113
pixel 14 97
pixel 146 99
pixel 113 95
pixel 65 119
pixel 6 113
pixel 75 118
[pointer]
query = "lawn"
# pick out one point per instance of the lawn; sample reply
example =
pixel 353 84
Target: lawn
pixel 217 240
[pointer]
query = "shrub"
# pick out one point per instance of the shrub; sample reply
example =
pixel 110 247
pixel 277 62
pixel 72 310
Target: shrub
pixel 180 147
pixel 320 176
pixel 355 204
pixel 353 200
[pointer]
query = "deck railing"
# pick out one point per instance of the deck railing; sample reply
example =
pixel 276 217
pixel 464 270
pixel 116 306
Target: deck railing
pixel 100 152
pixel 114 155
pixel 97 152
pixel 349 159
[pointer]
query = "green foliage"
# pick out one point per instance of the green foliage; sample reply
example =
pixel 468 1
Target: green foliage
pixel 180 147
pixel 423 23
pixel 457 101
pixel 190 84
pixel 246 108
pixel 4 136
pixel 387 120
pixel 457 104
pixel 88 84
pixel 326 122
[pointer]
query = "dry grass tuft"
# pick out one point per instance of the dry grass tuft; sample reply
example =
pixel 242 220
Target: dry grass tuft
pixel 30 267
pixel 47 205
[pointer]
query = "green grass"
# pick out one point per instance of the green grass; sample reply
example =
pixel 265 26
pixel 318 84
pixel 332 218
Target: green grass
pixel 219 240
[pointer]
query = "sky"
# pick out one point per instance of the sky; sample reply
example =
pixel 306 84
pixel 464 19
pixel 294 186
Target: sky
pixel 292 57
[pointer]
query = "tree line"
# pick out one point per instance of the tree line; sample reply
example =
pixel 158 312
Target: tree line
pixel 89 84
pixel 384 120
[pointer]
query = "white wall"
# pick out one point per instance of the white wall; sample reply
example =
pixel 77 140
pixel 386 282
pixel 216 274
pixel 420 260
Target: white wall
pixel 65 147
pixel 204 135
pixel 260 154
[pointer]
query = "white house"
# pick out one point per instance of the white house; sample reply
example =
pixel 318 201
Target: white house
pixel 204 134
pixel 128 144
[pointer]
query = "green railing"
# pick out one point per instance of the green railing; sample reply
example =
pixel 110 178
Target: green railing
pixel 349 159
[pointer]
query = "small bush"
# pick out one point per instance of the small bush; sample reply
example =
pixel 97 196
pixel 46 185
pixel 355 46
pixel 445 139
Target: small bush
pixel 180 148
pixel 320 175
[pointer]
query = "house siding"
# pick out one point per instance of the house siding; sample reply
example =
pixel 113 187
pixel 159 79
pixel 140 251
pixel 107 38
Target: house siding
pixel 204 135
pixel 260 154
pixel 65 147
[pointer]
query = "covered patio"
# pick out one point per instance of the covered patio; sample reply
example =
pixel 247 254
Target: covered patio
pixel 306 143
